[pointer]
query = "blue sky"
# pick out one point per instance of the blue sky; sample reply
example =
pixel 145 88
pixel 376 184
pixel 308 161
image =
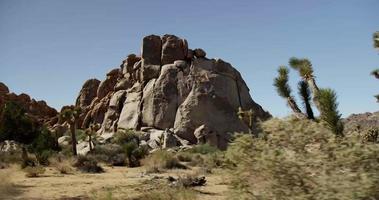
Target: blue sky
pixel 48 48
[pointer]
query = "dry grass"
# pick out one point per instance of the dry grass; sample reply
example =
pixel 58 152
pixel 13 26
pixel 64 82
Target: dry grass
pixel 161 160
pixel 166 193
pixel 62 164
pixel 7 189
pixel 33 172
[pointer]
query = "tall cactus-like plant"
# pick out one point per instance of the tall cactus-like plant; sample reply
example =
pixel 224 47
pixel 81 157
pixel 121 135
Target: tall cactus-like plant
pixel 284 90
pixel 329 110
pixel 71 115
pixel 305 69
pixel 375 73
pixel 376 39
pixel 305 95
pixel 325 100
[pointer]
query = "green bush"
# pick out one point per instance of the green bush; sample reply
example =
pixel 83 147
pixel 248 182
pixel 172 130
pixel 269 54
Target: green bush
pixel 16 125
pixel 134 153
pixel 204 149
pixel 301 159
pixel 111 154
pixel 126 136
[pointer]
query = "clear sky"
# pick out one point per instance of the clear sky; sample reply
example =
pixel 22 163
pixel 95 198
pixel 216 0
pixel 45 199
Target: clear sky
pixel 48 48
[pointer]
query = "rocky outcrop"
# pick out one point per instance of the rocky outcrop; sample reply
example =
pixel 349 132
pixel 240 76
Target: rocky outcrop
pixel 87 93
pixel 361 122
pixel 3 89
pixel 38 110
pixel 171 87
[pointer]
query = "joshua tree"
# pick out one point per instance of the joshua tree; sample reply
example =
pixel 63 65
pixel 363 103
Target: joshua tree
pixel 324 99
pixel 284 90
pixel 304 67
pixel 305 94
pixel 90 132
pixel 376 39
pixel 71 116
pixel 329 111
pixel 246 117
pixel 376 72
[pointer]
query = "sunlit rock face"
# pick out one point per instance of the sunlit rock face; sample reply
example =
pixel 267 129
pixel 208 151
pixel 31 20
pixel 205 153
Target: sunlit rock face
pixel 170 88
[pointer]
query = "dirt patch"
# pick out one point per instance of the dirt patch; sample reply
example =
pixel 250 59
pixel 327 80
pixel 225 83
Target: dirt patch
pixel 114 183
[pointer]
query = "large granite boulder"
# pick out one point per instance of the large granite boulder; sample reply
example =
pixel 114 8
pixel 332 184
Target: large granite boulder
pixel 173 48
pixel 87 93
pixel 204 106
pixel 151 57
pixel 160 99
pixel 116 104
pixel 109 83
pixel 131 111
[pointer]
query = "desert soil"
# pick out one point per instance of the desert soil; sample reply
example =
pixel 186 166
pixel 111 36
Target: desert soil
pixel 116 182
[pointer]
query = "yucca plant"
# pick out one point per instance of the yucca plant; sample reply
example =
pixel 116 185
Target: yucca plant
pixel 305 95
pixel 284 90
pixel 329 112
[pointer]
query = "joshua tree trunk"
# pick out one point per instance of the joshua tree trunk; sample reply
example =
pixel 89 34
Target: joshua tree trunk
pixel 24 154
pixel 312 84
pixel 90 141
pixel 292 104
pixel 73 137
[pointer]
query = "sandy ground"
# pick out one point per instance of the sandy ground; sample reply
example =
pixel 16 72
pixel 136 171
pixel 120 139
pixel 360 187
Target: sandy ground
pixel 116 182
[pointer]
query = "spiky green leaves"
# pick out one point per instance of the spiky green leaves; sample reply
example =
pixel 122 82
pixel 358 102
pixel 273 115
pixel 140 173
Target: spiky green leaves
pixel 70 113
pixel 281 82
pixel 305 95
pixel 376 39
pixel 329 112
pixel 303 66
pixel 375 73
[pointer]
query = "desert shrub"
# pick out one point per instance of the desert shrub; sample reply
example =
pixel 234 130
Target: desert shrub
pixel 184 156
pixel 11 157
pixel 87 164
pixel 161 160
pixel 80 135
pixel 43 157
pixel 134 153
pixel 371 135
pixel 203 149
pixel 301 159
pixel 126 136
pixel 29 162
pixel 62 163
pixel 32 172
pixel 16 125
pixel 111 154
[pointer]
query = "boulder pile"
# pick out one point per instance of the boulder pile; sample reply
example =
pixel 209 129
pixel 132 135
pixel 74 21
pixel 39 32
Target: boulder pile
pixel 38 110
pixel 170 90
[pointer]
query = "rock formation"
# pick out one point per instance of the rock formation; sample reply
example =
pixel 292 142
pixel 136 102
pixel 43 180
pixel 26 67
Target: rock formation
pixel 170 87
pixel 39 110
